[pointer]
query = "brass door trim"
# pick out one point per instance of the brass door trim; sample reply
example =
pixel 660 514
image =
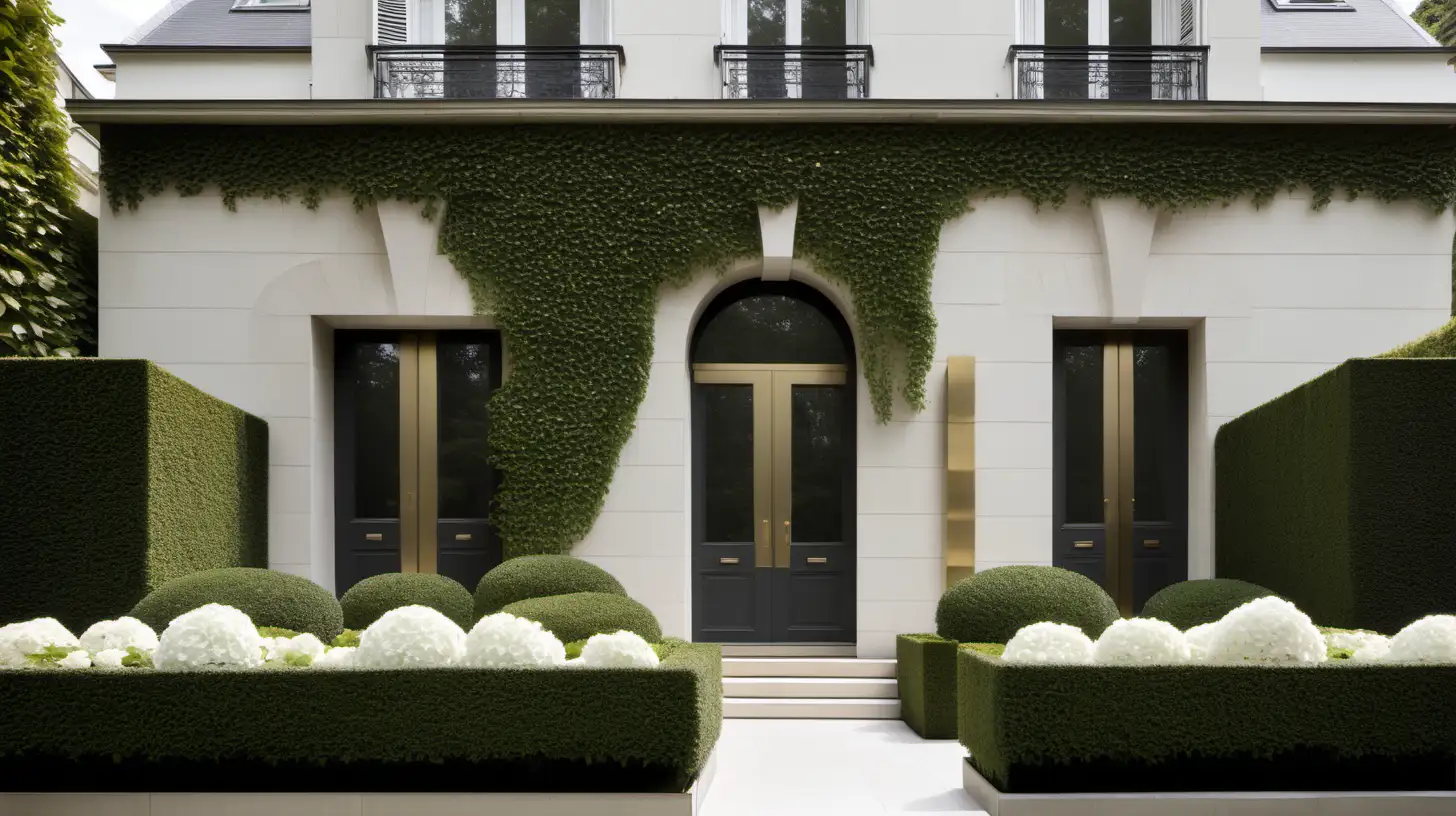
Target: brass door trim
pixel 708 367
pixel 409 453
pixel 429 451
pixel 761 381
pixel 1125 468
pixel 960 468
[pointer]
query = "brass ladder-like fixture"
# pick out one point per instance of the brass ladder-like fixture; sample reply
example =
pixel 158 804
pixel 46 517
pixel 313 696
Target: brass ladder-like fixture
pixel 419 454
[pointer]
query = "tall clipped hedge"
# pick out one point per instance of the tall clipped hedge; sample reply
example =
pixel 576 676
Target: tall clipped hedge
pixel 1341 494
pixel 47 244
pixel 118 478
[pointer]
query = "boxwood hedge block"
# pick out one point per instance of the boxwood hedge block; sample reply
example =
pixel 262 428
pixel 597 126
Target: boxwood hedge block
pixel 990 606
pixel 582 614
pixel 120 477
pixel 1341 724
pixel 269 597
pixel 925 667
pixel 377 594
pixel 1187 604
pixel 540 576
pixel 453 729
pixel 1339 494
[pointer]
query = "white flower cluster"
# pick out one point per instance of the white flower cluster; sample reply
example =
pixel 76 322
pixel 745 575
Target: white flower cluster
pixel 503 641
pixel 1049 643
pixel 299 650
pixel 118 635
pixel 1141 642
pixel 211 635
pixel 1198 639
pixel 411 637
pixel 338 657
pixel 1267 630
pixel 620 650
pixel 1431 639
pixel 18 640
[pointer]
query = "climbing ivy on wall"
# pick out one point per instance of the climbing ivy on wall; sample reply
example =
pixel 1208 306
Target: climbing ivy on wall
pixel 568 233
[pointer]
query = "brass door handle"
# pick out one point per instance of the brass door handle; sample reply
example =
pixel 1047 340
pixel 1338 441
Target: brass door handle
pixel 727 560
pixel 818 560
pixel 1083 545
pixel 787 538
pixel 374 536
pixel 1152 543
pixel 463 536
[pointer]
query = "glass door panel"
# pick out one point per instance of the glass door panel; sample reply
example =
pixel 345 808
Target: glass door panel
pixel 466 376
pixel 1068 23
pixel 1159 537
pixel 1130 23
pixel 367 501
pixel 825 23
pixel 470 23
pixel 1081 533
pixel 768 26
pixel 553 22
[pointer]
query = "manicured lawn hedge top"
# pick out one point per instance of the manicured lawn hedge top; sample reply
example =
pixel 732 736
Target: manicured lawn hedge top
pixel 118 478
pixel 540 576
pixel 1339 494
pixel 583 614
pixel 1020 717
pixel 991 606
pixel 925 668
pixel 1187 604
pixel 367 600
pixel 269 597
pixel 668 717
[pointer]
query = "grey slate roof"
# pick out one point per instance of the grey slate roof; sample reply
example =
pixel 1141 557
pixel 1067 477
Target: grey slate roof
pixel 1373 24
pixel 214 23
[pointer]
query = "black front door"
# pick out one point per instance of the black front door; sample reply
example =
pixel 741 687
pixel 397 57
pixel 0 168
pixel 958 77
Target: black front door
pixel 1121 463
pixel 412 478
pixel 773 463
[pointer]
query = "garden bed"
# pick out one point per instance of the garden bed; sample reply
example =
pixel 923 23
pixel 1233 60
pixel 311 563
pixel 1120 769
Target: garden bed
pixel 455 729
pixel 1336 726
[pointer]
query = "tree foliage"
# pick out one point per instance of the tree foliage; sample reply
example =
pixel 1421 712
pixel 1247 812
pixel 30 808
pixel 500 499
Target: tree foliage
pixel 1436 17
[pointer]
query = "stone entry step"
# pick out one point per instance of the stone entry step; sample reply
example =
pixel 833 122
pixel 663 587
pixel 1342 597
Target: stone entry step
pixel 806 667
pixel 809 709
pixel 833 688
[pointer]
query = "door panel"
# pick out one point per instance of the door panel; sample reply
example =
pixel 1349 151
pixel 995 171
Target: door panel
pixel 367 444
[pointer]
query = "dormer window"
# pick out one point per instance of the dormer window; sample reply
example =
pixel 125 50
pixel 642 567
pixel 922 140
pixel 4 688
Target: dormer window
pixel 270 5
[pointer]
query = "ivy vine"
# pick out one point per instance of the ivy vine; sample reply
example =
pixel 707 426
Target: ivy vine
pixel 568 233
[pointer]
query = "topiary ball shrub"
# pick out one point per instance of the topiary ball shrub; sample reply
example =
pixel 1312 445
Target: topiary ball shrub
pixel 582 614
pixel 540 576
pixel 367 600
pixel 270 598
pixel 991 606
pixel 1187 604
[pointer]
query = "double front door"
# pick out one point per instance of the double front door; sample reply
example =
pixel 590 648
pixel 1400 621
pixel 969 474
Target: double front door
pixel 1121 462
pixel 413 483
pixel 774 556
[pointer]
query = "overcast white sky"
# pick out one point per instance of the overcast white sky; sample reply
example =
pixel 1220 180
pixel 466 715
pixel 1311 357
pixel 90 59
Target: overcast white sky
pixel 89 23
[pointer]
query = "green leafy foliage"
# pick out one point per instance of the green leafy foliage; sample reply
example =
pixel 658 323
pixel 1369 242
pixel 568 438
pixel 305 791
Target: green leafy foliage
pixel 120 477
pixel 50 655
pixel 47 244
pixel 1187 604
pixel 925 667
pixel 660 723
pixel 1033 728
pixel 1436 17
pixel 348 637
pixel 365 601
pixel 276 632
pixel 540 576
pixel 1337 495
pixel 1439 343
pixel 580 615
pixel 136 658
pixel 990 606
pixel 269 597
pixel 568 234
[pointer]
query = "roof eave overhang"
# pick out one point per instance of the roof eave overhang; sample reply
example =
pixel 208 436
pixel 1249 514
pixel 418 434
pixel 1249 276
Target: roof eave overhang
pixel 1429 50
pixel 94 113
pixel 115 50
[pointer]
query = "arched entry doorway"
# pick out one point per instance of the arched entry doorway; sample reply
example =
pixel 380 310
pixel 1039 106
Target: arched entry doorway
pixel 773 465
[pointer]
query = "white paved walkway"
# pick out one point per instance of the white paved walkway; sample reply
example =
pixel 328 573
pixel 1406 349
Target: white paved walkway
pixel 843 767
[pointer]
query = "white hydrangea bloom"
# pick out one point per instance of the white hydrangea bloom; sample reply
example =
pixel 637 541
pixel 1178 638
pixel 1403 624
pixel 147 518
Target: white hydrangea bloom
pixel 411 637
pixel 620 650
pixel 1141 642
pixel 1267 630
pixel 282 649
pixel 118 634
pixel 339 657
pixel 20 639
pixel 1048 643
pixel 1198 639
pixel 504 641
pixel 75 660
pixel 1367 646
pixel 108 658
pixel 211 635
pixel 1431 639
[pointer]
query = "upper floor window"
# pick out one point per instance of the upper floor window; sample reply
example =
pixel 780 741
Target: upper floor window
pixel 793 49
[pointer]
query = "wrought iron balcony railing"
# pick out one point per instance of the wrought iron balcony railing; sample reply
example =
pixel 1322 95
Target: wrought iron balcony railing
pixel 1176 72
pixel 795 72
pixel 496 71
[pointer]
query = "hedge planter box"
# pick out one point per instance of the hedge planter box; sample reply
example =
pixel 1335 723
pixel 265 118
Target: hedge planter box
pixel 925 666
pixel 1113 729
pixel 315 730
pixel 1338 495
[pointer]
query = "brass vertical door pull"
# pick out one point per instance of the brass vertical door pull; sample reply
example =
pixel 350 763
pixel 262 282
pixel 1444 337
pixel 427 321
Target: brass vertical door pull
pixel 788 539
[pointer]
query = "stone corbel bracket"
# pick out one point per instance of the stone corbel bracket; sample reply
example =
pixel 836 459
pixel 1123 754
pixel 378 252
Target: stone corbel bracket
pixel 777 230
pixel 1125 227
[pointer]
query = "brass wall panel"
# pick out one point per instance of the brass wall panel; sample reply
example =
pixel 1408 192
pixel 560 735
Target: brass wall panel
pixel 409 453
pixel 960 468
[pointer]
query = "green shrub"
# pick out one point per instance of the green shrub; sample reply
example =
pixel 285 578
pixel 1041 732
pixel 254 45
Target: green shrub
pixel 925 668
pixel 540 576
pixel 276 632
pixel 377 594
pixel 1187 604
pixel 348 637
pixel 582 614
pixel 120 477
pixel 484 726
pixel 1338 494
pixel 270 598
pixel 1036 728
pixel 990 606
